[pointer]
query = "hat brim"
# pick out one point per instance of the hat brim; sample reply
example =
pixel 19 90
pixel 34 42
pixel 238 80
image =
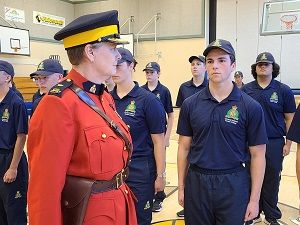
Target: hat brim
pixel 150 69
pixel 117 41
pixel 264 61
pixel 41 73
pixel 207 50
pixel 193 57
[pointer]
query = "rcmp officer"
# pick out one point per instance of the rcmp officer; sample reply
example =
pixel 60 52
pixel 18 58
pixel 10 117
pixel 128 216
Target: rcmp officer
pixel 197 83
pixel 48 73
pixel 215 126
pixel 278 103
pixel 67 137
pixel 144 114
pixel 153 85
pixel 13 163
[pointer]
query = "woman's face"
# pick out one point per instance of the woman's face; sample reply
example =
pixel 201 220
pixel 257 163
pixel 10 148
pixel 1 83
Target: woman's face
pixel 106 57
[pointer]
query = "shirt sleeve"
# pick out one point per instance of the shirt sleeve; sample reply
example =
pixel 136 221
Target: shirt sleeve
pixel 169 105
pixel 50 145
pixel 179 99
pixel 184 126
pixel 21 118
pixel 289 105
pixel 155 116
pixel 294 131
pixel 256 128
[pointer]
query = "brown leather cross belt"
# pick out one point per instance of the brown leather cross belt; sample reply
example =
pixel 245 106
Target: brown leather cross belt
pixel 107 185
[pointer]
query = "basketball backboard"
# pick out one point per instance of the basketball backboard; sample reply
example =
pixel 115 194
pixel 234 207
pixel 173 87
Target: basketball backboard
pixel 14 41
pixel 281 17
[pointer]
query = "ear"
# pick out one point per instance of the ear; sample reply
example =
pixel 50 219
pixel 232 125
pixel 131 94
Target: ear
pixel 88 52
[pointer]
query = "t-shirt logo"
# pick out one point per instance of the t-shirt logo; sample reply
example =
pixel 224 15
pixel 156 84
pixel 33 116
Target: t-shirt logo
pixel 158 95
pixel 274 98
pixel 5 116
pixel 130 109
pixel 232 115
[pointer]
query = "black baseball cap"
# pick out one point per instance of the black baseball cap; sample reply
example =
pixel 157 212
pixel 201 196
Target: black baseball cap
pixel 48 67
pixel 265 57
pixel 220 44
pixel 200 57
pixel 152 66
pixel 238 74
pixel 125 56
pixel 7 68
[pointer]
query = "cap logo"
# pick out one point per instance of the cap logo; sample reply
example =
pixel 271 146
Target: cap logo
pixel 263 57
pixel 41 66
pixel 149 65
pixel 217 43
pixel 93 89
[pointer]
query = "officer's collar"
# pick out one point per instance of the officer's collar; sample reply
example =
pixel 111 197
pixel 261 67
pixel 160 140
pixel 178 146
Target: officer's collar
pixel 233 96
pixel 96 89
pixel 88 86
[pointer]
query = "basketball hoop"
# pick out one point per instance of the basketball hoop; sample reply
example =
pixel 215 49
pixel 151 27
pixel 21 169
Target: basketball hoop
pixel 288 21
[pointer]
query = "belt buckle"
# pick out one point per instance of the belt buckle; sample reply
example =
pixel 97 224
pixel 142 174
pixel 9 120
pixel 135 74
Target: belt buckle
pixel 119 179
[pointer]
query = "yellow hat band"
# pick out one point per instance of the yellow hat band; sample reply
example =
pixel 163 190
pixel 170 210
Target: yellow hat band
pixel 89 36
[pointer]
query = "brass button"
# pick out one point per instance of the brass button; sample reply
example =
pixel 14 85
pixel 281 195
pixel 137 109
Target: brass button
pixel 69 80
pixel 124 148
pixel 103 136
pixel 126 191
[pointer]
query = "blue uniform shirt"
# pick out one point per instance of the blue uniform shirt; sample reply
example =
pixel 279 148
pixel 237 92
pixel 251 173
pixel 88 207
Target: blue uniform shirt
pixel 221 131
pixel 276 99
pixel 294 131
pixel 13 120
pixel 163 94
pixel 145 115
pixel 187 89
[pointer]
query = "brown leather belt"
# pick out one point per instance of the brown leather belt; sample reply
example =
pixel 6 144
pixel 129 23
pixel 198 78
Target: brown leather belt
pixel 107 185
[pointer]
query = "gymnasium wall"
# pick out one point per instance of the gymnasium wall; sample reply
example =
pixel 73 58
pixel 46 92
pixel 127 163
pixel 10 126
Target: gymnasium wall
pixel 242 28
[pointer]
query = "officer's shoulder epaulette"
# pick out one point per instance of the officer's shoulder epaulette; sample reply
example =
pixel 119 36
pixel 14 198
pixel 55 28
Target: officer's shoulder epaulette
pixel 58 89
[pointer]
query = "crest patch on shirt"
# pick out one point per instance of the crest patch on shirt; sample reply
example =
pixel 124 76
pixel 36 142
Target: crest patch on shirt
pixel 158 95
pixel 274 97
pixel 232 115
pixel 130 109
pixel 5 116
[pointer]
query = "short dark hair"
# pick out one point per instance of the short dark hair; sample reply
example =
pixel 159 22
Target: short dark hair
pixel 75 54
pixel 275 72
pixel 134 64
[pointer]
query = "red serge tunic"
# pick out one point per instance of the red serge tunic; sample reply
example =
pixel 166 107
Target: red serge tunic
pixel 68 137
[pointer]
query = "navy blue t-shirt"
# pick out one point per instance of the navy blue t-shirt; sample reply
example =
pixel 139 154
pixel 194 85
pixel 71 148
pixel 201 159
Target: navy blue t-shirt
pixel 163 94
pixel 221 131
pixel 276 99
pixel 294 131
pixel 187 89
pixel 13 120
pixel 145 115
